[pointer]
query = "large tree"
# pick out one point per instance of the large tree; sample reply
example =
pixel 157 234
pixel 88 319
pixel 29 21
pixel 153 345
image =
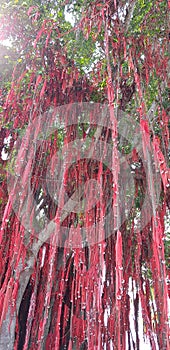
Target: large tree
pixel 85 175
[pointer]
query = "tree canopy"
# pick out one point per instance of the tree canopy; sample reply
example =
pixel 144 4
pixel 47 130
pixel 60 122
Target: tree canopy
pixel 85 178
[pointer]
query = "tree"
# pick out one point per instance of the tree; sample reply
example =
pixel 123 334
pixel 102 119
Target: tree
pixel 77 232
